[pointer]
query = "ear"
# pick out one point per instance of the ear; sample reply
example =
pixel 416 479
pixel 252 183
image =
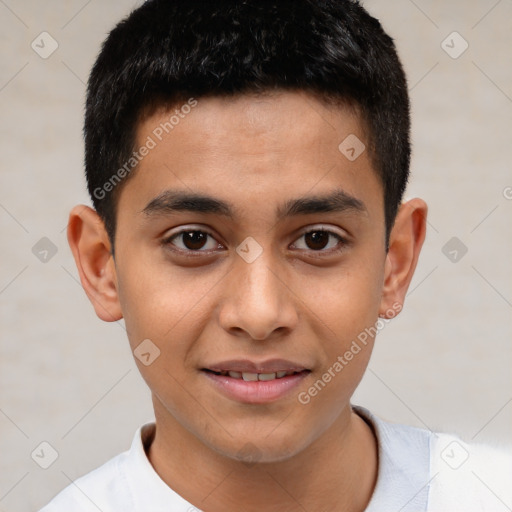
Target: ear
pixel 405 242
pixel 91 249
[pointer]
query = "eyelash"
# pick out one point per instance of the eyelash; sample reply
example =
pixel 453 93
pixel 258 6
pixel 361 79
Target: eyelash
pixel 167 242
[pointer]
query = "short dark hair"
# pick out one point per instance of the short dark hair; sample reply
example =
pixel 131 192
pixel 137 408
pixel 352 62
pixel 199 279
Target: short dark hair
pixel 168 50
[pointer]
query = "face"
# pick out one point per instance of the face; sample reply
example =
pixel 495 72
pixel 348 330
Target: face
pixel 250 251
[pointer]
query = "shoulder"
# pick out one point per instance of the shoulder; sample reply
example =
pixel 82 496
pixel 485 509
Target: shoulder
pixel 128 482
pixel 109 487
pixel 94 491
pixel 437 472
pixel 469 476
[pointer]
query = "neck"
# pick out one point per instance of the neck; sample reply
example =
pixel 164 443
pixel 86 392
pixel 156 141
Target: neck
pixel 337 471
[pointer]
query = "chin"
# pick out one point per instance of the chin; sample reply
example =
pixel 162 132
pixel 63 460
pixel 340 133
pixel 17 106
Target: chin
pixel 260 448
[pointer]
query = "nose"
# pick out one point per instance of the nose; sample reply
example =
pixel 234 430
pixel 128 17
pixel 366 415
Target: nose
pixel 258 302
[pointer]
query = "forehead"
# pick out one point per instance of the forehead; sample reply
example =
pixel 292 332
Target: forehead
pixel 265 121
pixel 237 148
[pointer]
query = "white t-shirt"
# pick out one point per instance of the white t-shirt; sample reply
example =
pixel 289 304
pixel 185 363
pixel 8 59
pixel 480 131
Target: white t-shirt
pixel 418 471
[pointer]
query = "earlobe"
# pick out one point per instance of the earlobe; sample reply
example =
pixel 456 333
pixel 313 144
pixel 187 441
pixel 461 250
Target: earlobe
pixel 91 250
pixel 405 243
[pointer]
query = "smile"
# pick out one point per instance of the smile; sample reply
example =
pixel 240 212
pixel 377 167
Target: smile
pixel 255 383
pixel 253 377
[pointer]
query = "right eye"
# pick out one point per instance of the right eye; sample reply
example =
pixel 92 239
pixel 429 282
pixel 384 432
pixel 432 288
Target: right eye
pixel 191 241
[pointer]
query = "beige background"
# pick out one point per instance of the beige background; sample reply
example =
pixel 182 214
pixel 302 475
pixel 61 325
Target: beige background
pixel 69 379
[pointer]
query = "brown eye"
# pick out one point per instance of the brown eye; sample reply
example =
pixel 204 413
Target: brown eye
pixel 317 240
pixel 321 241
pixel 192 240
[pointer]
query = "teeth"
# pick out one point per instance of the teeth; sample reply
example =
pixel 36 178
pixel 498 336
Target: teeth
pixel 266 376
pixel 253 377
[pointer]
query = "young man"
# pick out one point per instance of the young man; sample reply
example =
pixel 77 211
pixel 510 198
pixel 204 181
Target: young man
pixel 246 161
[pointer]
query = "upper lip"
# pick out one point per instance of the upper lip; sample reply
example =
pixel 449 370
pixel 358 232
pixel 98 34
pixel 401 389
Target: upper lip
pixel 245 365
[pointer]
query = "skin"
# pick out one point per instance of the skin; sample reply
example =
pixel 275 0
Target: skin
pixel 292 302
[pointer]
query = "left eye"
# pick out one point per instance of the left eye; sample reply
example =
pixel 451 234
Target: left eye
pixel 193 240
pixel 319 240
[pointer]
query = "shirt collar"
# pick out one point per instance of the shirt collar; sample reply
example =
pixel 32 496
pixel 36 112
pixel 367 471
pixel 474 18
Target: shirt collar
pixel 402 479
pixel 403 476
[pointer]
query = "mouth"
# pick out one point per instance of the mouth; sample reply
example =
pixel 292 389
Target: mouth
pixel 256 383
pixel 253 377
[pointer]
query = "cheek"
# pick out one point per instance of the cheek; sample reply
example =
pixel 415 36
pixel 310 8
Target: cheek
pixel 159 302
pixel 346 306
pixel 347 300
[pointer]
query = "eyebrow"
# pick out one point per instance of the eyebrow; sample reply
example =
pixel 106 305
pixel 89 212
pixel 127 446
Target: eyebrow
pixel 171 201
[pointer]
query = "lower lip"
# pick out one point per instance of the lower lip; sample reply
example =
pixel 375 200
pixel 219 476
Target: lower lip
pixel 256 392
